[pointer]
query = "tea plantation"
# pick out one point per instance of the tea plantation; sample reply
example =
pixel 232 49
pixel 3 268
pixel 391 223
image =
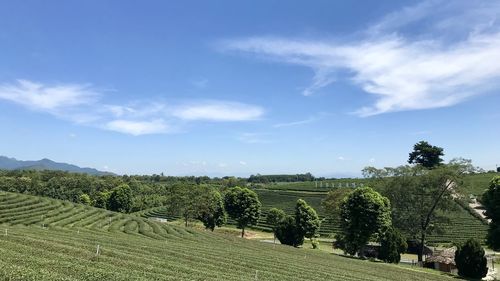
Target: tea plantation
pixel 47 239
pixel 461 226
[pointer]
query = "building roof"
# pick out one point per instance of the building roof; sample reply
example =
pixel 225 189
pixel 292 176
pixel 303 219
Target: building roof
pixel 446 256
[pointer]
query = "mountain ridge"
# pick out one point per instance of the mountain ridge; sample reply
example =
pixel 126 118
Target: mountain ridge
pixel 9 163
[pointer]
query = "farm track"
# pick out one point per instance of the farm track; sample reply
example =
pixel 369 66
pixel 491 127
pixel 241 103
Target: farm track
pixel 134 248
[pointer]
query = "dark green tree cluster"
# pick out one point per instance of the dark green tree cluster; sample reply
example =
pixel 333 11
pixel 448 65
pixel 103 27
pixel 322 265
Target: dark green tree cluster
pixel 197 202
pixel 491 201
pixel 470 260
pixel 280 178
pixel 427 155
pixel 291 230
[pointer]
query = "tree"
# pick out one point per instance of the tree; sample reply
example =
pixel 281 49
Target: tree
pixel 85 199
pixel 332 201
pixel 363 214
pixel 242 205
pixel 470 260
pixel 427 155
pixel 306 219
pixel 212 212
pixel 491 201
pixel 288 233
pixel 120 199
pixel 274 217
pixel 392 245
pixel 101 200
pixel 420 197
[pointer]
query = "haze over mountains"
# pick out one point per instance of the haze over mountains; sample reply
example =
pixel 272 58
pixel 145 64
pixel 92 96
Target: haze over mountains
pixel 7 163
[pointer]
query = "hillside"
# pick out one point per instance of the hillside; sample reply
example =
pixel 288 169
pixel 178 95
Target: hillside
pixel 49 239
pixel 7 163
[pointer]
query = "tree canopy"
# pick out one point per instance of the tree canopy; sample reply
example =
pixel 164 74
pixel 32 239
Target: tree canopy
pixel 491 201
pixel 242 205
pixel 307 219
pixel 364 213
pixel 470 260
pixel 427 155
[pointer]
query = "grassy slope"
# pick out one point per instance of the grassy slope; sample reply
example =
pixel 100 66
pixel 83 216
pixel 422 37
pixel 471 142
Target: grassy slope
pixel 135 249
pixel 477 184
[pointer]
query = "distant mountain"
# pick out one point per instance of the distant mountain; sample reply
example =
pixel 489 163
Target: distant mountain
pixel 7 163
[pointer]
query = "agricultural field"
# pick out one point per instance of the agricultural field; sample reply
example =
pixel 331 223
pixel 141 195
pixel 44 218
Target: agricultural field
pixel 477 184
pixel 47 239
pixel 315 186
pixel 462 224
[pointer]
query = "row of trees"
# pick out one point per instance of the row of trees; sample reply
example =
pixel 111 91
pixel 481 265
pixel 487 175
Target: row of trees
pixel 411 201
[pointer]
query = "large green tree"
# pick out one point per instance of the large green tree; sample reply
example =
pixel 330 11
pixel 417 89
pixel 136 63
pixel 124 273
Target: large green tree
pixel 120 199
pixel 211 209
pixel 274 217
pixel 491 201
pixel 420 197
pixel 307 219
pixel 427 155
pixel 364 213
pixel 242 205
pixel 332 201
pixel 470 260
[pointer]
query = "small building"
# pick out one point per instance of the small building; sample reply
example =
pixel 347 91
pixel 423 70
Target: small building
pixel 442 260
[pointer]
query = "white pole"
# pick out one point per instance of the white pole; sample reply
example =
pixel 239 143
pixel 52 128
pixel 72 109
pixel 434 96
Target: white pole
pixel 97 251
pixel 256 275
pixel 6 232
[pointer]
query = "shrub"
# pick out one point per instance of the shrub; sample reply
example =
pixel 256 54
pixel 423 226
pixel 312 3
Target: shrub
pixel 288 233
pixel 470 260
pixel 392 244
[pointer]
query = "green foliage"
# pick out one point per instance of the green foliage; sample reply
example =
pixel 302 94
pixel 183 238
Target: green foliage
pixel 85 199
pixel 392 245
pixel 420 197
pixel 315 243
pixel 242 205
pixel 288 233
pixel 470 260
pixel 331 204
pixel 120 199
pixel 427 155
pixel 211 209
pixel 307 220
pixel 274 217
pixel 491 201
pixel 101 200
pixel 364 213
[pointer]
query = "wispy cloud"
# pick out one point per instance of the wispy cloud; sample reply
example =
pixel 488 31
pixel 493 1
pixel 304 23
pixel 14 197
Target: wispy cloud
pixel 218 111
pixel 83 104
pixel 403 70
pixel 301 122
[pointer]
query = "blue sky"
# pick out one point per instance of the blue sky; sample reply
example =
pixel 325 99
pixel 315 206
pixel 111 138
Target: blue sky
pixel 245 87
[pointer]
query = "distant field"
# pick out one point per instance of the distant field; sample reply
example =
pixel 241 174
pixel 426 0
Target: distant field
pixel 54 240
pixel 316 186
pixel 477 184
pixel 462 224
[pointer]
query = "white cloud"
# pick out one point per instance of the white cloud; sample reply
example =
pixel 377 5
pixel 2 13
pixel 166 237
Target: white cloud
pixel 222 165
pixel 403 72
pixel 47 98
pixel 341 158
pixel 371 160
pixel 84 105
pixel 137 128
pixel 243 163
pixel 218 111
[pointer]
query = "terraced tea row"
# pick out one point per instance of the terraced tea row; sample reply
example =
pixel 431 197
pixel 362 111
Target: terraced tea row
pixel 66 249
pixel 18 209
